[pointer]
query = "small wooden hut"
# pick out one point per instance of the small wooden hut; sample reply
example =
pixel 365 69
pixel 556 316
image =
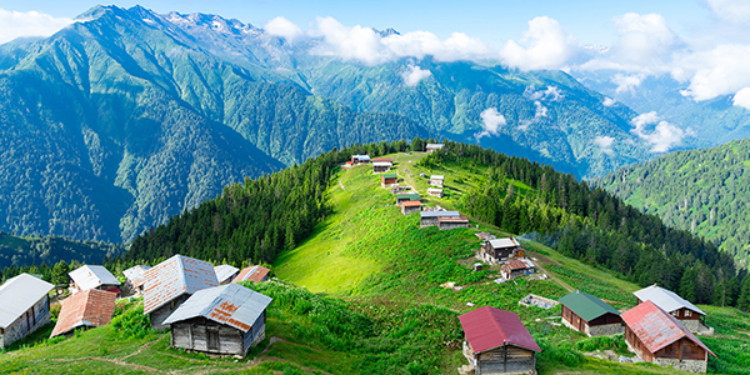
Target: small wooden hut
pixel 227 320
pixel 400 198
pixel 494 251
pixel 409 207
pixel 94 277
pixel 90 308
pixel 590 315
pixel 437 180
pixel 687 313
pixel 360 159
pixel 432 147
pixel 447 222
pixel 431 218
pixel 225 273
pixel 24 307
pixel 516 267
pixel 434 192
pixel 658 337
pixel 497 342
pixel 388 180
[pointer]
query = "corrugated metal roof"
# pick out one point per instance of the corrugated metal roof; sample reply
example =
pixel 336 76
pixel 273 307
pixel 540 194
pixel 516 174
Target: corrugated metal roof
pixel 381 164
pixel 252 273
pixel 388 175
pixel 434 190
pixel 586 306
pixel 437 177
pixel 225 272
pixel 440 214
pixel 136 274
pixel 488 328
pixel 174 277
pixel 89 277
pixel 516 264
pixel 458 219
pixel 18 295
pixel 434 146
pixel 361 157
pixel 231 304
pixel 412 204
pixel 410 196
pixel 91 308
pixel 665 299
pixel 502 243
pixel 656 328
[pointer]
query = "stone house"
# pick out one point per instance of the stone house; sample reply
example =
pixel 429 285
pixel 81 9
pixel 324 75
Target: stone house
pixel 658 337
pixel 687 313
pixel 431 218
pixel 590 315
pixel 24 307
pixel 516 267
pixel 227 320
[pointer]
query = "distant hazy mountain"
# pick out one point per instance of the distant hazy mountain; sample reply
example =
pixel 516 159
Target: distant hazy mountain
pixel 704 191
pixel 118 122
pixel 711 122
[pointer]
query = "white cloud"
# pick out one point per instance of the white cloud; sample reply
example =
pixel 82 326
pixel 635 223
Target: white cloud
pixel 545 45
pixel 541 110
pixel 737 11
pixel 492 120
pixel 608 102
pixel 723 70
pixel 23 24
pixel 367 46
pixel 605 144
pixel 550 93
pixel 414 74
pixel 664 135
pixel 742 98
pixel 284 28
pixel 627 83
pixel 644 40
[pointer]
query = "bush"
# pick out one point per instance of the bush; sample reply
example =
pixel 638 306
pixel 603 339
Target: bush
pixel 133 323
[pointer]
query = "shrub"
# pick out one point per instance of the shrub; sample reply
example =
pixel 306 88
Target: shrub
pixel 133 323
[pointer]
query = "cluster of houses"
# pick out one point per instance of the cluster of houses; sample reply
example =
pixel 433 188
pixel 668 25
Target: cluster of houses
pixel 204 306
pixel 659 329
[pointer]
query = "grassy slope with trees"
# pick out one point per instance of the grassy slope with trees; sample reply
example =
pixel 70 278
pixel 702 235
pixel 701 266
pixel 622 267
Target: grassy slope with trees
pixel 705 192
pixel 393 317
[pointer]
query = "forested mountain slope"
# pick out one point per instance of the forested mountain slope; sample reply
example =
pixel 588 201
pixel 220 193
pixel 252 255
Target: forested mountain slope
pixel 706 192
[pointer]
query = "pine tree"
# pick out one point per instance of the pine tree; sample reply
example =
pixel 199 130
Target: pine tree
pixel 687 285
pixel 743 302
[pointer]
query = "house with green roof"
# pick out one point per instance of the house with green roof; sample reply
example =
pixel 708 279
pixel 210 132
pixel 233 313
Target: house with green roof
pixel 407 197
pixel 590 315
pixel 388 179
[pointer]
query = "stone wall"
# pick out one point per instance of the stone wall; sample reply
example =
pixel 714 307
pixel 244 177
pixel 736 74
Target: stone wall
pixel 684 365
pixel 693 325
pixel 605 329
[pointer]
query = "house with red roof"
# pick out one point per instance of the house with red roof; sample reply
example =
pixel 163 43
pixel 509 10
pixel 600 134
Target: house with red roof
pixel 90 308
pixel 253 273
pixel 658 337
pixel 497 342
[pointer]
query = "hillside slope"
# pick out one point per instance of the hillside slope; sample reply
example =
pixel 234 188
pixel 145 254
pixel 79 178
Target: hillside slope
pixel 18 251
pixel 704 191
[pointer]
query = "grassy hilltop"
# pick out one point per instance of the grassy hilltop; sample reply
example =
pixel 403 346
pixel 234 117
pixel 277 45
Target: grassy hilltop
pixel 362 295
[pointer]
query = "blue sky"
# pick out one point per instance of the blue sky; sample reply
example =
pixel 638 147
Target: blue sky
pixel 494 22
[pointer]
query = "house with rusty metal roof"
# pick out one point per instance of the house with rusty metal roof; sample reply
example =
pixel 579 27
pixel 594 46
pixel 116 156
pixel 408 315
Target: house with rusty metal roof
pixel 24 307
pixel 516 267
pixel 173 281
pixel 690 315
pixel 135 277
pixel 658 337
pixel 590 315
pixel 94 277
pixel 497 250
pixel 90 308
pixel 225 273
pixel 253 273
pixel 497 342
pixel 227 320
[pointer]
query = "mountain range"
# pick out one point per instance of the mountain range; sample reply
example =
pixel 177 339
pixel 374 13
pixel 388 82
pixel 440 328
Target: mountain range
pixel 128 117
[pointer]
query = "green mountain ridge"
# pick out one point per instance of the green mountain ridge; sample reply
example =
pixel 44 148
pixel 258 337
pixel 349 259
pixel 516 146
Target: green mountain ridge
pixel 706 192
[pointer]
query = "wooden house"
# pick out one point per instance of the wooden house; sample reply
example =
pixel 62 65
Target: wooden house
pixel 400 198
pixel 657 337
pixel 497 250
pixel 437 180
pixel 448 222
pixel 431 218
pixel 253 273
pixel 94 277
pixel 135 277
pixel 388 179
pixel 516 267
pixel 225 273
pixel 227 320
pixel 173 281
pixel 497 342
pixel 90 308
pixel 434 192
pixel 409 207
pixel 386 160
pixel 24 307
pixel 687 313
pixel 432 147
pixel 590 315
pixel 381 166
pixel 360 159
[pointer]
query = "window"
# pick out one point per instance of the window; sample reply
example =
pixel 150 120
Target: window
pixel 688 313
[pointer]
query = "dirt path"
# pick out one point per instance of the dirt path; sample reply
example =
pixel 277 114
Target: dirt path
pixel 542 259
pixel 341 185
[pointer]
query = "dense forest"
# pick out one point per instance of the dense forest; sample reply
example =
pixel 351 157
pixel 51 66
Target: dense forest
pixel 594 226
pixel 706 192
